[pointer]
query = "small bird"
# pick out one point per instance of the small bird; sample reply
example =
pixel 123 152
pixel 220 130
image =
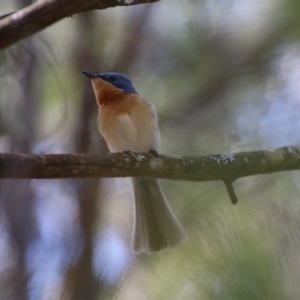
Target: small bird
pixel 129 123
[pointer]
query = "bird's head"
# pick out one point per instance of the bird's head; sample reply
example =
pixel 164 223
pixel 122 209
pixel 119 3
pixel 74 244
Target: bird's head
pixel 117 80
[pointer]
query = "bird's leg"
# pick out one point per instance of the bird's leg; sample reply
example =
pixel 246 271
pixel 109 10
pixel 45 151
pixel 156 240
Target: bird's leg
pixel 127 152
pixel 153 152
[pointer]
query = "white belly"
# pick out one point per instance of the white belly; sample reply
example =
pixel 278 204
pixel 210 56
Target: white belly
pixel 125 133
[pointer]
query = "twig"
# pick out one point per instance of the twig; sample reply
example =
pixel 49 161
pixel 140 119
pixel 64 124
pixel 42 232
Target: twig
pixel 230 190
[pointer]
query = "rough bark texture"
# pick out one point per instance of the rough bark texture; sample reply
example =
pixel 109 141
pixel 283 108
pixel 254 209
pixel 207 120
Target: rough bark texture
pixel 227 167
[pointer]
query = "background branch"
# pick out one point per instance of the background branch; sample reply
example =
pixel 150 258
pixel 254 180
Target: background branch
pixel 213 167
pixel 40 14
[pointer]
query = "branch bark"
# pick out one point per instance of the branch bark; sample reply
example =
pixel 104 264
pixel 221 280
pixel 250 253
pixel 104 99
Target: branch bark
pixel 226 167
pixel 40 14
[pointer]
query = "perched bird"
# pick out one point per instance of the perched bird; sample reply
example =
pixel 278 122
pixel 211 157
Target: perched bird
pixel 129 123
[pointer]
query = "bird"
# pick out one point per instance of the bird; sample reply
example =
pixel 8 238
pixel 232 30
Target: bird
pixel 129 123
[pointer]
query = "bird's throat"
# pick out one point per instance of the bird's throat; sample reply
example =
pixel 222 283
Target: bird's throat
pixel 105 93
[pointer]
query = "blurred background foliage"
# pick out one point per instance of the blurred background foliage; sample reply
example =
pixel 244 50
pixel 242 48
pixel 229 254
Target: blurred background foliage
pixel 224 76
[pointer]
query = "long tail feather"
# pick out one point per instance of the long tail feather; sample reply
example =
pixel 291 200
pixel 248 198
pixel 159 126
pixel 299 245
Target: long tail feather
pixel 155 226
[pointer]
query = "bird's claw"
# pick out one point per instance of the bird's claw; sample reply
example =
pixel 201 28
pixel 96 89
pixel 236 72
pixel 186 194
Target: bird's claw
pixel 154 152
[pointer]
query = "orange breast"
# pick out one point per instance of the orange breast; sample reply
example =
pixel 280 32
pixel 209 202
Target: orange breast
pixel 126 121
pixel 129 124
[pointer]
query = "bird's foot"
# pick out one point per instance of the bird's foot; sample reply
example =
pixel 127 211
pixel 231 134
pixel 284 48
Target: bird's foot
pixel 154 152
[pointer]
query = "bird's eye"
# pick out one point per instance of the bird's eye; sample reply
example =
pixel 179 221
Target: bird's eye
pixel 113 78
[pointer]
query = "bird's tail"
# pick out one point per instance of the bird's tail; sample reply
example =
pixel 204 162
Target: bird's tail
pixel 155 225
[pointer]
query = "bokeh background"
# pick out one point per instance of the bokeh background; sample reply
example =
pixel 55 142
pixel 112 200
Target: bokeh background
pixel 225 77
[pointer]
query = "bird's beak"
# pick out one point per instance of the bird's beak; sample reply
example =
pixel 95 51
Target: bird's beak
pixel 89 74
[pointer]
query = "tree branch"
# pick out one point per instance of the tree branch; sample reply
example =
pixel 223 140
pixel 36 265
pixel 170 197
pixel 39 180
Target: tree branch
pixel 41 14
pixel 226 167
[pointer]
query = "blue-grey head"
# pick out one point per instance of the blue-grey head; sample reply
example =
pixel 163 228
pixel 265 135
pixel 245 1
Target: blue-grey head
pixel 116 79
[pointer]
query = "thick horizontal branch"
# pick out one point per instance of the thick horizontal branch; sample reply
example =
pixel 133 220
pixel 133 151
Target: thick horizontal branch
pixel 41 14
pixel 226 167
